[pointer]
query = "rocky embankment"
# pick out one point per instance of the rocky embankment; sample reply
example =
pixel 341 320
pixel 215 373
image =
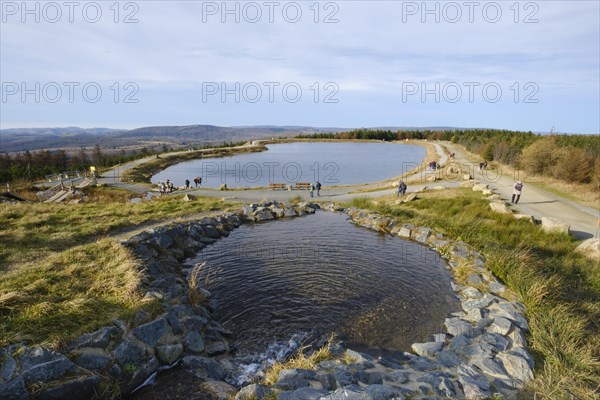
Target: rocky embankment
pixel 482 350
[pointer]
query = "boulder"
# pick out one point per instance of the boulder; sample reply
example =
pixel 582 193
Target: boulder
pixel 254 392
pixel 475 389
pixel 169 353
pixel 431 178
pixel 440 187
pixel 189 197
pixel 427 349
pixel 516 366
pixel 553 225
pixel 14 390
pixel 467 177
pixel 500 207
pixel 590 248
pixel 100 338
pixel 487 192
pixel 500 325
pixel 480 187
pixel 467 184
pixel 152 332
pixel 194 342
pixel 292 379
pixel 526 217
pixel 305 393
pixel 217 390
pixel 39 364
pixel 410 197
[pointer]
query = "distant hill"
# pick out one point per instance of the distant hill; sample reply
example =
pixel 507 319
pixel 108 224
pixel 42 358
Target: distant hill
pixel 22 139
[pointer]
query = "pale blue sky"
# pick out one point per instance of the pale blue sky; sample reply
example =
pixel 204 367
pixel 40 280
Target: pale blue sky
pixel 379 55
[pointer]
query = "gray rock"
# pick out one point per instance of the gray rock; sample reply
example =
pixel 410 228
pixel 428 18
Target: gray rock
pixel 447 358
pixel 381 392
pixel 39 364
pixel 422 364
pixel 169 353
pixel 216 348
pixel 553 225
pixel 218 390
pixel 427 349
pixel 518 339
pixel 516 366
pixel 509 311
pixel 344 378
pixel 457 326
pixel 204 367
pixel 264 215
pixel 14 390
pixel 499 342
pixel 100 338
pixel 500 207
pixel 405 231
pixel 475 389
pixel 8 369
pixel 152 332
pixel 194 342
pixel 397 377
pixel 490 367
pixel 445 389
pixel 93 360
pixel 254 392
pixel 77 389
pixel 500 325
pixel 358 357
pixel 474 279
pixel 141 372
pixel 497 288
pixel 193 323
pixel 471 293
pixel 422 234
pixel 292 379
pixel 590 248
pixel 289 212
pixel 352 392
pixel 305 393
pixel 210 231
pixel 129 352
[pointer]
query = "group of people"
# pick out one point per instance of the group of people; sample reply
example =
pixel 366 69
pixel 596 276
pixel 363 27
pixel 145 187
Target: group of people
pixel 433 165
pixel 166 187
pixel 316 186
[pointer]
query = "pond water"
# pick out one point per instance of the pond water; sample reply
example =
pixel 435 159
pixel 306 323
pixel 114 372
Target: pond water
pixel 344 163
pixel 288 281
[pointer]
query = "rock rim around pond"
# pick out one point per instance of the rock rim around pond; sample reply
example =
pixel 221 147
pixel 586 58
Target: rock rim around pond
pixel 481 352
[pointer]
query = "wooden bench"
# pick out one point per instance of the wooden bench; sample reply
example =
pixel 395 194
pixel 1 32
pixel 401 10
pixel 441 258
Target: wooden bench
pixel 276 186
pixel 302 186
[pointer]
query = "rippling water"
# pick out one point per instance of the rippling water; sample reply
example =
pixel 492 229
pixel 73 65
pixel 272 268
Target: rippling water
pixel 320 274
pixel 330 163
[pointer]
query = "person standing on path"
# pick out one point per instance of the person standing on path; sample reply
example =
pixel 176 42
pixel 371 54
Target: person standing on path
pixel 187 183
pixel 401 188
pixel 318 187
pixel 516 195
pixel 312 190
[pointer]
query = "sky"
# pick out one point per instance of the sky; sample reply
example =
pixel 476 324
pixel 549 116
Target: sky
pixel 519 65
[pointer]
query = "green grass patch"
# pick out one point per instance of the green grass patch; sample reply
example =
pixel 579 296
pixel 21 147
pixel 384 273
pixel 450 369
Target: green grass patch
pixel 560 288
pixel 60 272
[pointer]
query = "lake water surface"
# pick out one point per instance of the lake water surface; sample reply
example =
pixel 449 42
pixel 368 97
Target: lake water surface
pixel 343 163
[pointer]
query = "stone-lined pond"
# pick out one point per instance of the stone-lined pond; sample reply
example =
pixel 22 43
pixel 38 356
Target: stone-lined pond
pixel 292 280
pixel 345 163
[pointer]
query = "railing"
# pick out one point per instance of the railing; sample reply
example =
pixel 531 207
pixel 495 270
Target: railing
pixel 65 176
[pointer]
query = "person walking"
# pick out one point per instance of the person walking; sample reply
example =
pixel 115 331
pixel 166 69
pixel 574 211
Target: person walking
pixel 187 183
pixel 318 187
pixel 516 195
pixel 312 190
pixel 401 188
